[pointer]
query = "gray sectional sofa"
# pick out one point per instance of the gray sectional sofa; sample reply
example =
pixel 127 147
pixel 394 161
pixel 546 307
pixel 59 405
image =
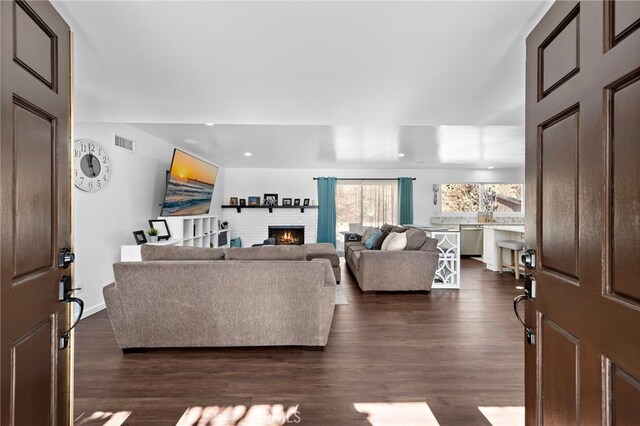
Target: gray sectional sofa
pixel 411 269
pixel 190 297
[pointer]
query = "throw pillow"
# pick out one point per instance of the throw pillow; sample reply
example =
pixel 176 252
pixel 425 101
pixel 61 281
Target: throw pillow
pixel 352 236
pixel 371 241
pixel 398 243
pixel 399 229
pixel 366 233
pixel 387 240
pixel 380 241
pixel 415 239
pixel 152 252
pixel 386 227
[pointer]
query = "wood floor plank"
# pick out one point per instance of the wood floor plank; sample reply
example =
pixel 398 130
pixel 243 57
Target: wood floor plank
pixel 451 351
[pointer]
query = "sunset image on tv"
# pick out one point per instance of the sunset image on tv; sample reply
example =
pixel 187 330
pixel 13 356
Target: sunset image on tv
pixel 190 186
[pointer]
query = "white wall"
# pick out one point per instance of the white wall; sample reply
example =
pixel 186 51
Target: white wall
pixel 299 183
pixel 105 220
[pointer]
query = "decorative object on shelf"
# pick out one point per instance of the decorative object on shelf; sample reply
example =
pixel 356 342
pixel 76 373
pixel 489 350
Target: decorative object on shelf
pixel 161 226
pixel 296 202
pixel 271 200
pixel 306 202
pixel 233 201
pixel 436 189
pixel 243 202
pixel 153 235
pixel 224 225
pixel 91 165
pixel 254 201
pixel 140 237
pixel 286 201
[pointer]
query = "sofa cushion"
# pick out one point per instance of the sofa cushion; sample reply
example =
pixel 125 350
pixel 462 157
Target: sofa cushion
pixel 380 240
pixel 386 227
pixel 387 240
pixel 267 253
pixel 348 244
pixel 398 243
pixel 415 239
pixel 430 244
pixel 152 252
pixel 373 237
pixel 399 229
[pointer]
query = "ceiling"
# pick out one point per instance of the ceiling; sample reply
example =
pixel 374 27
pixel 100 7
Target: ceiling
pixel 345 84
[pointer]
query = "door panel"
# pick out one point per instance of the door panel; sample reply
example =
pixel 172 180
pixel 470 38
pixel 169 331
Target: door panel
pixel 582 215
pixel 35 182
pixel 559 193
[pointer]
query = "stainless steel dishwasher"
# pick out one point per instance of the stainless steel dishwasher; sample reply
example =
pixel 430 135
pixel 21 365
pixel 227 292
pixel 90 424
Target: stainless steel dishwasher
pixel 471 236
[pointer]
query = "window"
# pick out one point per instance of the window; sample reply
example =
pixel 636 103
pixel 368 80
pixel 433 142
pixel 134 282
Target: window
pixel 472 197
pixel 364 203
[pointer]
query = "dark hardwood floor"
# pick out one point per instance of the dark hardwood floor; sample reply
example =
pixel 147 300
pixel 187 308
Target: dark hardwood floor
pixel 453 351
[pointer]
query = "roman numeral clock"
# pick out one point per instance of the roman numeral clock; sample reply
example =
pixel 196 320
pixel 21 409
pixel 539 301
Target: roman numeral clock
pixel 92 165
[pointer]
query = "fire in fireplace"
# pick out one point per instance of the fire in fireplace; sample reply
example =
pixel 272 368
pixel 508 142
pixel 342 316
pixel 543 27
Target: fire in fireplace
pixel 287 235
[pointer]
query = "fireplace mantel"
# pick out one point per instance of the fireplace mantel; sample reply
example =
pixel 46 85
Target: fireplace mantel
pixel 239 208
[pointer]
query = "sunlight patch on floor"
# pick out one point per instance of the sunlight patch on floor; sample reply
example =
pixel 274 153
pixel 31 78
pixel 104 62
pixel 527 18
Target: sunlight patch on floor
pixel 397 413
pixel 255 415
pixel 103 418
pixel 504 416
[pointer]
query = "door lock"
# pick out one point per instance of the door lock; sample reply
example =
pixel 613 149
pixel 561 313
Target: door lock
pixel 65 295
pixel 65 258
pixel 529 258
pixel 529 290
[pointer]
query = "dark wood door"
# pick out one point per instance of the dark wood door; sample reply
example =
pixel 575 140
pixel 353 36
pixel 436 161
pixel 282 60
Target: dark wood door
pixel 35 184
pixel 583 214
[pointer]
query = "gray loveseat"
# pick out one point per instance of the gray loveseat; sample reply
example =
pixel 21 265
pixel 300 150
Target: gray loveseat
pixel 411 269
pixel 189 297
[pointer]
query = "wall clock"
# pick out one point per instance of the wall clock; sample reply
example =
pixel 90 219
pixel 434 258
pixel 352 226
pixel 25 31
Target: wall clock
pixel 92 165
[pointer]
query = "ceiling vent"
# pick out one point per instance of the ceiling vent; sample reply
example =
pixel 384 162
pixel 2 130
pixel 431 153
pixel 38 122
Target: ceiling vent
pixel 125 143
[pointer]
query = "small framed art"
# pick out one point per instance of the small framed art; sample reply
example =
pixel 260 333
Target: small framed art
pixel 162 227
pixel 140 237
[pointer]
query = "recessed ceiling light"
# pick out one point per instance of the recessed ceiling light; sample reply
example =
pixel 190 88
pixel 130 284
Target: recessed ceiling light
pixel 209 124
pixel 191 141
pixel 247 154
pixel 491 167
pixel 401 155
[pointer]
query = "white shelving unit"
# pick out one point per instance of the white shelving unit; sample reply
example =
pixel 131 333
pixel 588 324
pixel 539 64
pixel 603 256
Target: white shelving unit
pixel 188 231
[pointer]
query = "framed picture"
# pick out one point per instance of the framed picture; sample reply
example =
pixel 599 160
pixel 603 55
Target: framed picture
pixel 243 202
pixel 140 237
pixel 162 227
pixel 270 199
pixel 296 202
pixel 233 201
pixel 286 201
pixel 254 201
pixel 306 202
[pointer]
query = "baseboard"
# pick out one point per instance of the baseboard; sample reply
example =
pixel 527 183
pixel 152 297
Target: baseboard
pixel 93 310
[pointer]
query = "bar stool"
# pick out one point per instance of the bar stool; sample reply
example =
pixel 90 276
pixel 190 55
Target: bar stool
pixel 514 247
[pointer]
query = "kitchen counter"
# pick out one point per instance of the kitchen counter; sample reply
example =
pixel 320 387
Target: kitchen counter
pixel 508 228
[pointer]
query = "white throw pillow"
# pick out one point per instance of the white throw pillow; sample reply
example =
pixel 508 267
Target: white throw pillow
pixel 399 242
pixel 387 240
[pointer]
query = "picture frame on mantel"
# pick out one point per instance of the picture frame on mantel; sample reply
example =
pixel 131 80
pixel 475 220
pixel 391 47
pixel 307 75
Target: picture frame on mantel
pixel 296 202
pixel 271 200
pixel 286 202
pixel 307 202
pixel 253 200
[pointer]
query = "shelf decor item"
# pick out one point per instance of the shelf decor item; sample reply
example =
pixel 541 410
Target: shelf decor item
pixel 254 201
pixel 153 235
pixel 140 237
pixel 286 201
pixel 161 226
pixel 271 200
pixel 233 201
pixel 306 202
pixel 296 202
pixel 243 202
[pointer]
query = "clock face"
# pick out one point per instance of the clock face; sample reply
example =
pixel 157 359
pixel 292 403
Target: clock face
pixel 92 165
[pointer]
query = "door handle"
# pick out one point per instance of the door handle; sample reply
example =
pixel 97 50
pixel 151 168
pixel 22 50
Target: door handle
pixel 528 295
pixel 66 290
pixel 529 258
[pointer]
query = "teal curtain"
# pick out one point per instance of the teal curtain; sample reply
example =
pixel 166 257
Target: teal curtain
pixel 405 200
pixel 327 210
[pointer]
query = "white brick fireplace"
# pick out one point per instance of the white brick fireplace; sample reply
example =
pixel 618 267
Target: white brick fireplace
pixel 252 225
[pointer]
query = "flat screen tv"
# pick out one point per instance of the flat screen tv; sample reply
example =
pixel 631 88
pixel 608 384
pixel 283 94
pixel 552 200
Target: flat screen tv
pixel 189 187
